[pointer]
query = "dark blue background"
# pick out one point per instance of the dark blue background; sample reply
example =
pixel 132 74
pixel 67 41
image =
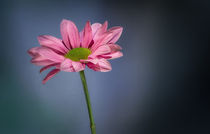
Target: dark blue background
pixel 160 86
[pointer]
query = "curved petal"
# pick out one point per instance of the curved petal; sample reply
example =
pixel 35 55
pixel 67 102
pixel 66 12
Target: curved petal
pixel 117 31
pixel 50 75
pixel 48 66
pixel 104 49
pixel 90 59
pixel 115 47
pixel 66 66
pixel 87 35
pixel 95 27
pixel 101 65
pixel 102 40
pixel 71 66
pixel 70 34
pixel 39 58
pixel 50 54
pixel 78 66
pixel 52 42
pixel 41 61
pixel 33 51
pixel 113 55
pixel 100 31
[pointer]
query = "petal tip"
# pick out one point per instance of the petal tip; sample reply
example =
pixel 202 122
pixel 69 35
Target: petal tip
pixel 64 20
pixel 106 22
pixel 120 29
pixel 88 21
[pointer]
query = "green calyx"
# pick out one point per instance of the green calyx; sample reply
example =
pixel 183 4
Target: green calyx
pixel 77 54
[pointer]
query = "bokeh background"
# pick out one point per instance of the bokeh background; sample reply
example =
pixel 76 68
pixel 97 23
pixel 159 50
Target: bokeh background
pixel 160 86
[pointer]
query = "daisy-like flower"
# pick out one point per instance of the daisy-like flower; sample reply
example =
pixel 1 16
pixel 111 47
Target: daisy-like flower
pixel 93 46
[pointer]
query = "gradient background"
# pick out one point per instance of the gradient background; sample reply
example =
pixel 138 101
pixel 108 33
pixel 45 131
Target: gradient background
pixel 160 86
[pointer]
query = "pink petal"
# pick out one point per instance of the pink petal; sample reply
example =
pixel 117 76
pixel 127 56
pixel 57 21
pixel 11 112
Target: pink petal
pixel 102 65
pixel 48 66
pixel 52 42
pixel 39 58
pixel 81 35
pixel 78 66
pixel 33 51
pixel 50 54
pixel 41 61
pixel 114 47
pixel 113 55
pixel 87 35
pixel 95 27
pixel 102 40
pixel 71 66
pixel 70 34
pixel 90 59
pixel 50 75
pixel 115 52
pixel 117 31
pixel 66 66
pixel 100 31
pixel 104 49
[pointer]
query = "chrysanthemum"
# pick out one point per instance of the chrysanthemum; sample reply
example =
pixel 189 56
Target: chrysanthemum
pixel 93 46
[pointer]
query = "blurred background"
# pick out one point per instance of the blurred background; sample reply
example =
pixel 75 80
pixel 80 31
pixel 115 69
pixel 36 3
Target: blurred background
pixel 160 86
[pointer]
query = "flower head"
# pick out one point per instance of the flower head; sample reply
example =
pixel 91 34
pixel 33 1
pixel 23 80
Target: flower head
pixel 93 46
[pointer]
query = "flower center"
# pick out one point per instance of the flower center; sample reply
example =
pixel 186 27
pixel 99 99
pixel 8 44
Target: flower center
pixel 77 54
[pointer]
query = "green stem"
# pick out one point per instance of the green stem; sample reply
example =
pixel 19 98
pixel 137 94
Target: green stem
pixel 87 97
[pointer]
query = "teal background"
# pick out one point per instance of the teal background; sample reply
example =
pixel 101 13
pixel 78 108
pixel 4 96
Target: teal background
pixel 160 86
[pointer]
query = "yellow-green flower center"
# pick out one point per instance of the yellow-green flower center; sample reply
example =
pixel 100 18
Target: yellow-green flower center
pixel 77 54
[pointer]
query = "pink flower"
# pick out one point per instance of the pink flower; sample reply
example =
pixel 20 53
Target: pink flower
pixel 93 46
